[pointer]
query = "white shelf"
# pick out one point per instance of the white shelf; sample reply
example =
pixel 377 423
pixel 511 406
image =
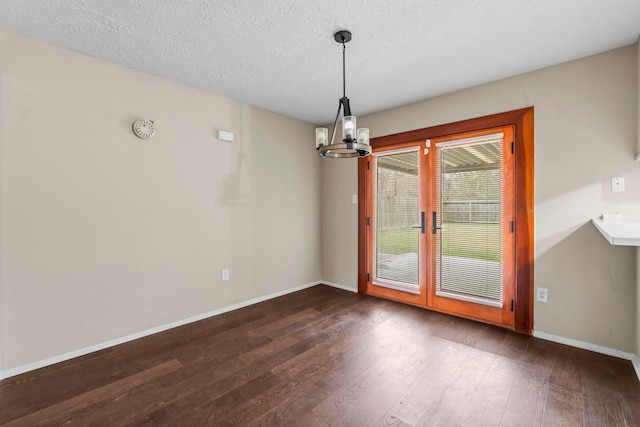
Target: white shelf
pixel 627 233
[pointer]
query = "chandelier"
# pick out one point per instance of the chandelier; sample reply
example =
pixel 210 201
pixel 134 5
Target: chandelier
pixel 355 142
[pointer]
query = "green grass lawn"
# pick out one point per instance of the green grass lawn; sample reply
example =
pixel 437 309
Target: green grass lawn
pixel 469 240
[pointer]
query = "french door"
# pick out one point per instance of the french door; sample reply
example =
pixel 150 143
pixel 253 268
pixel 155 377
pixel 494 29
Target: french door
pixel 397 224
pixel 473 219
pixel 441 224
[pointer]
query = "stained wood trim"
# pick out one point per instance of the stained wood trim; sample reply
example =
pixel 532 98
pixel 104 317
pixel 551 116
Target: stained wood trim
pixel 524 152
pixel 363 237
pixel 471 125
pixel 522 120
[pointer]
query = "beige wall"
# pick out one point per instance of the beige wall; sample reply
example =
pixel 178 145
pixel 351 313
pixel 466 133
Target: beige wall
pixel 339 222
pixel 638 160
pixel 106 235
pixel 638 302
pixel 2 128
pixel 585 133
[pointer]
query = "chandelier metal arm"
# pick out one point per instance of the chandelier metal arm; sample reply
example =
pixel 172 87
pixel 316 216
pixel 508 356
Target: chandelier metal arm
pixel 346 107
pixel 335 123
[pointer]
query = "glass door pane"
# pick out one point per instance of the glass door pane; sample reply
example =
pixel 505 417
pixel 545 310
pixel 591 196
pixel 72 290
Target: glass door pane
pixel 397 220
pixel 469 213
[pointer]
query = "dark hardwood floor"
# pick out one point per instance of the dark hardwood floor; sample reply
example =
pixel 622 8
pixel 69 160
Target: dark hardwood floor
pixel 327 357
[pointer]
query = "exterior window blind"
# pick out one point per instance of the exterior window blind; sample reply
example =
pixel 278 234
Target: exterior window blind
pixel 396 214
pixel 469 200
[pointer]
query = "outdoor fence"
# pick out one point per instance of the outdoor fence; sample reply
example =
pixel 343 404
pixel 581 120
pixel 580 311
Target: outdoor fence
pixel 482 211
pixel 400 212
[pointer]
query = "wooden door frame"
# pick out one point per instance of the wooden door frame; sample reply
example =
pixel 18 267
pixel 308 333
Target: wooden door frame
pixel 522 121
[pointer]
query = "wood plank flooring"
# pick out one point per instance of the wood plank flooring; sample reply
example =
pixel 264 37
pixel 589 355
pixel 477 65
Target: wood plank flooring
pixel 327 357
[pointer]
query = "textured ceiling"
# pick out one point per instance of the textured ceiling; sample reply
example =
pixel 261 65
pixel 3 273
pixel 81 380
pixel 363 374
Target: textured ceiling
pixel 281 55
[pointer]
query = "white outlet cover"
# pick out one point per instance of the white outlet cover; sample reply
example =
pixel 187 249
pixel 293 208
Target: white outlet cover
pixel 542 294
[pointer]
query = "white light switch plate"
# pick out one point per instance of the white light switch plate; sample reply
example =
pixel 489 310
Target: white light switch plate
pixel 225 136
pixel 617 184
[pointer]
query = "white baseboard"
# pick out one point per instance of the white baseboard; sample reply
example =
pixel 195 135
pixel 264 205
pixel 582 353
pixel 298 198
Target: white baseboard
pixel 86 350
pixel 339 286
pixel 636 364
pixel 592 347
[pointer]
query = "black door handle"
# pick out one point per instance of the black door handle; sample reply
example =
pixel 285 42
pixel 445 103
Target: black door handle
pixel 435 222
pixel 421 226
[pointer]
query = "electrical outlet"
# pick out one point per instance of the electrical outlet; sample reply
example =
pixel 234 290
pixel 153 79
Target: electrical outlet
pixel 542 294
pixel 225 275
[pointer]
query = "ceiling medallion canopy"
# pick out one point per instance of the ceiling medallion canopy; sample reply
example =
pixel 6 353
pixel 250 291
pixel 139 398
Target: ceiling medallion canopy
pixel 355 142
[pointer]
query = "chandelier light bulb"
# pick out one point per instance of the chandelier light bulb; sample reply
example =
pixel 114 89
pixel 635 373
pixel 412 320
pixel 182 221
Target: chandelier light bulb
pixel 363 136
pixel 349 128
pixel 322 137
